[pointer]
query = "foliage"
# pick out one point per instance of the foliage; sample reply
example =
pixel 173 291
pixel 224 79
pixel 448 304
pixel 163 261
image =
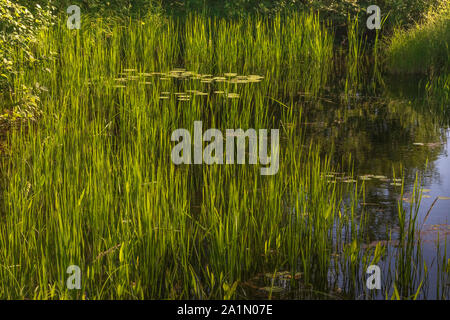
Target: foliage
pixel 18 32
pixel 424 48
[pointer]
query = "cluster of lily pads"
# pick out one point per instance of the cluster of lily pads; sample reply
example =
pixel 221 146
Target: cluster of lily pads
pixel 340 177
pixel 186 96
pixel 182 74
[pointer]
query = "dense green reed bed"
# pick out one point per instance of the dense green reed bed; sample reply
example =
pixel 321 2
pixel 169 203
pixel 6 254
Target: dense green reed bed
pixel 424 48
pixel 91 182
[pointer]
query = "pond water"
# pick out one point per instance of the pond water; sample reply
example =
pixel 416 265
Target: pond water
pixel 384 140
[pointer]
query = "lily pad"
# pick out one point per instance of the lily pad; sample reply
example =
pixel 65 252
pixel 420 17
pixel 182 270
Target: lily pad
pixel 273 289
pixel 232 95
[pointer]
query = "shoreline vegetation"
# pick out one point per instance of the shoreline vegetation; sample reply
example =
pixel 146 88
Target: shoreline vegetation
pixel 87 179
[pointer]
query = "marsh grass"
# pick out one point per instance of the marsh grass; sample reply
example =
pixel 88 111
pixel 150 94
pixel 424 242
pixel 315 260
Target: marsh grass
pixel 424 48
pixel 92 184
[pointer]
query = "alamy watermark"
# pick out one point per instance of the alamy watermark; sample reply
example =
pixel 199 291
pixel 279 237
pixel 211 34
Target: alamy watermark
pixel 374 21
pixel 74 20
pixel 214 151
pixel 74 280
pixel 374 280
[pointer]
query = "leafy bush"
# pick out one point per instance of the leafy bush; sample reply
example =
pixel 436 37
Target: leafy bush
pixel 424 48
pixel 18 30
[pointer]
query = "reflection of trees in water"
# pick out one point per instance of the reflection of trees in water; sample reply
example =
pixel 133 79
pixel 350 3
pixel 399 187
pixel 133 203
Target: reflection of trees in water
pixel 377 137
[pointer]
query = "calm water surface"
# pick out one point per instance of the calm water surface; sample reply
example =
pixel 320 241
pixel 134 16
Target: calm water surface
pixel 395 134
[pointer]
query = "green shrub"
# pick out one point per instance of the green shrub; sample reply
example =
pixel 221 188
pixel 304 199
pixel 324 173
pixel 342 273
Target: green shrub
pixel 424 48
pixel 18 32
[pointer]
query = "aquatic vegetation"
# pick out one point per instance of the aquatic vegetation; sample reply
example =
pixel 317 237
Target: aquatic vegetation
pixel 91 183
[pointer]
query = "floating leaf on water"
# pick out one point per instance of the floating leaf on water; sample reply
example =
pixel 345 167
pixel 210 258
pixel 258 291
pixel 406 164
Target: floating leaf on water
pixel 433 144
pixel 237 80
pixel 281 274
pixel 397 180
pixel 365 178
pixel 164 79
pixel 233 95
pixel 425 190
pixel 384 243
pixel 164 97
pixel 119 86
pixel 254 76
pixel 443 198
pixel 199 93
pixel 429 144
pixel 273 289
pixel 426 196
pixel 230 74
pixel 129 70
pixel 334 254
pixel 144 74
pixel 380 177
pixel 165 92
pixel 219 92
pixel 396 184
pixel 145 83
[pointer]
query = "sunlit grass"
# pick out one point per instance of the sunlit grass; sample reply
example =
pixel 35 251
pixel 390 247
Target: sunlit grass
pixel 424 48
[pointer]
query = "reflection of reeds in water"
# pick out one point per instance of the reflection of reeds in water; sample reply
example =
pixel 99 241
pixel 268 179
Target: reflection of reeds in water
pixel 356 49
pixel 294 51
pixel 438 93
